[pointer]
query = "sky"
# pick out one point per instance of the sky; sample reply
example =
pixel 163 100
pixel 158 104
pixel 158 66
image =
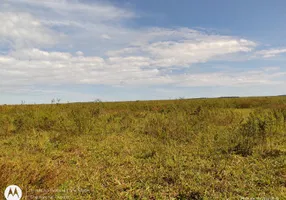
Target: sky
pixel 117 50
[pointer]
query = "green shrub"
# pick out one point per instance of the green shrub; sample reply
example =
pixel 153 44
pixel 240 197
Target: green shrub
pixel 258 131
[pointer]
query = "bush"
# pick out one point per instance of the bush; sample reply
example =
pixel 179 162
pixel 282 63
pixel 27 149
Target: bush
pixel 258 131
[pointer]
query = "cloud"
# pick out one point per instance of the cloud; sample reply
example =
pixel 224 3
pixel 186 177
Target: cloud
pixel 79 53
pixel 271 52
pixel 23 30
pixel 46 41
pixel 70 12
pixel 37 67
pixel 181 47
pixel 185 53
pixel 88 27
pixel 105 36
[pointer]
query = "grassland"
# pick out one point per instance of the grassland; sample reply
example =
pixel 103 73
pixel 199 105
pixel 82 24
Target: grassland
pixel 226 148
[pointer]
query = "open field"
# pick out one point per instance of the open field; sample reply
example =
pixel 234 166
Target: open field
pixel 177 149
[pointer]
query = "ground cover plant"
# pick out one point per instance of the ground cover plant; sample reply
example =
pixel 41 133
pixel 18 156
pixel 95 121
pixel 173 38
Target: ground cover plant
pixel 223 148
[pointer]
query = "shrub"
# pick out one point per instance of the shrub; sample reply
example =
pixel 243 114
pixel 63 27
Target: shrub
pixel 258 131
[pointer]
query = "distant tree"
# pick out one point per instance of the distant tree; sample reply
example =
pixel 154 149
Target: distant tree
pixel 97 100
pixel 23 102
pixel 53 101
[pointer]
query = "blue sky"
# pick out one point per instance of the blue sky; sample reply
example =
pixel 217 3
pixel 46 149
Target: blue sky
pixel 82 50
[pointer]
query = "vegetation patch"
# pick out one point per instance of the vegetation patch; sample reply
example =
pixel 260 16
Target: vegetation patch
pixel 225 148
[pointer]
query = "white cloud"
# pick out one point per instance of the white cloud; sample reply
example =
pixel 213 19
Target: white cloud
pixel 271 68
pixel 36 54
pixel 185 53
pixel 89 27
pixel 24 30
pixel 74 8
pixel 181 47
pixel 49 68
pixel 271 52
pixel 79 53
pixel 113 53
pixel 105 36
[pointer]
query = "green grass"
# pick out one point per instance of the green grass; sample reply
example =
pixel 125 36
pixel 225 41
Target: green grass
pixel 226 148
